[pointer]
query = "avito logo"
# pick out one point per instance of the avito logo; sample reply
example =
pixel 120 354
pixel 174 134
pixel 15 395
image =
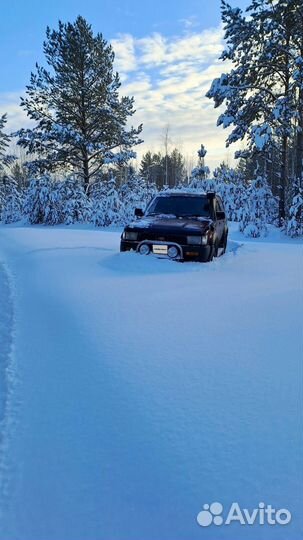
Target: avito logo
pixel 262 515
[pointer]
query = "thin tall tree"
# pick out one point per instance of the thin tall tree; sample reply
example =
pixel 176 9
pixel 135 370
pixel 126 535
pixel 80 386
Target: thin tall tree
pixel 80 118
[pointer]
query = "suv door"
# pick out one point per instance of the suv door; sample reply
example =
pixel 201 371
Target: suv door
pixel 220 222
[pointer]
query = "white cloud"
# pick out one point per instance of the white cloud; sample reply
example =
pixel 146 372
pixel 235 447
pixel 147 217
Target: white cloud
pixel 201 47
pixel 190 22
pixel 125 58
pixel 10 105
pixel 169 84
pixel 139 85
pixel 173 75
pixel 168 78
pixel 152 50
pixel 157 50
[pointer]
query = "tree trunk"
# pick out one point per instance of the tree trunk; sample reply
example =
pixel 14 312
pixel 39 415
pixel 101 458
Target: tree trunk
pixel 85 170
pixel 284 156
pixel 283 180
pixel 299 142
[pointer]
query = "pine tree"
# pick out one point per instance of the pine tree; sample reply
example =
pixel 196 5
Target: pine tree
pixel 151 168
pixel 158 169
pixel 261 92
pixel 177 171
pixel 80 118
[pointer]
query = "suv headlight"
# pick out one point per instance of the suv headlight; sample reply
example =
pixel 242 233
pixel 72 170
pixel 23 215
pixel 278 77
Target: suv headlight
pixel 130 235
pixel 197 240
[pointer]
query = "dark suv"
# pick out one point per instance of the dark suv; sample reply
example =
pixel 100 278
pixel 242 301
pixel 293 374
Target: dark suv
pixel 180 226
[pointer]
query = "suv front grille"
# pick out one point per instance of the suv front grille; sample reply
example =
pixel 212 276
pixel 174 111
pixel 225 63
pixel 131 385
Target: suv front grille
pixel 162 237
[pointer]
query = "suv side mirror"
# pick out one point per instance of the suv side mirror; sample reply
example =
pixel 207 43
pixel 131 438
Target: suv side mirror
pixel 220 215
pixel 139 212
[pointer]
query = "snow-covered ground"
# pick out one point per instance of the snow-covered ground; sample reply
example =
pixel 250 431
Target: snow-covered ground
pixel 134 390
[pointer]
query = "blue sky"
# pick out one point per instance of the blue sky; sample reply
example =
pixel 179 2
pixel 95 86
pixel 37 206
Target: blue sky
pixel 166 53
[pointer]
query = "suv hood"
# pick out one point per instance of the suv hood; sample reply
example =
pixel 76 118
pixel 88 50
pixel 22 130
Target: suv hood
pixel 169 224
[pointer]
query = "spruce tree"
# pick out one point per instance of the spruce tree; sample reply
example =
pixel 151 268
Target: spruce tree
pixel 80 119
pixel 157 169
pixel 199 174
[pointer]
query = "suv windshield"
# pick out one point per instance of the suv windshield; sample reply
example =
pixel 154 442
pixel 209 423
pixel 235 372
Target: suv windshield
pixel 180 206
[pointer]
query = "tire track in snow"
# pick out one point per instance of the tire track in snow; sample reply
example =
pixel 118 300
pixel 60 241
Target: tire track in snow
pixel 8 384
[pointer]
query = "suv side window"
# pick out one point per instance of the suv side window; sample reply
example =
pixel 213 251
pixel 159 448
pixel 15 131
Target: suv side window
pixel 219 205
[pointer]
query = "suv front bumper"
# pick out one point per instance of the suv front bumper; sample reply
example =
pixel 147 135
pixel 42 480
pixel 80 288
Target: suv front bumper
pixel 189 252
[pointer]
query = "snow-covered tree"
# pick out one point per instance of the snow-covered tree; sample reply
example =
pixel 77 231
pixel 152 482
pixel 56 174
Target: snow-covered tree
pixel 257 210
pixel 37 202
pixel 233 195
pixel 80 117
pixel 261 91
pixel 106 204
pixel 74 204
pixel 228 175
pixel 294 226
pixel 4 141
pixel 135 193
pixel 5 158
pixel 55 202
pixel 97 194
pixel 295 8
pixel 234 198
pixel 199 173
pixel 10 200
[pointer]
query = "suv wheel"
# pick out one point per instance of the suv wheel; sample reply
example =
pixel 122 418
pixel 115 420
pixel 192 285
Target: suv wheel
pixel 214 251
pixel 224 243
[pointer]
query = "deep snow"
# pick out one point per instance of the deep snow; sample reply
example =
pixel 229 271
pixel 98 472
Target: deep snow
pixel 140 389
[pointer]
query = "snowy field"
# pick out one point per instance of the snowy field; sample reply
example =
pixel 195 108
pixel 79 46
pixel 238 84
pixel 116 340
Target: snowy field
pixel 135 390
